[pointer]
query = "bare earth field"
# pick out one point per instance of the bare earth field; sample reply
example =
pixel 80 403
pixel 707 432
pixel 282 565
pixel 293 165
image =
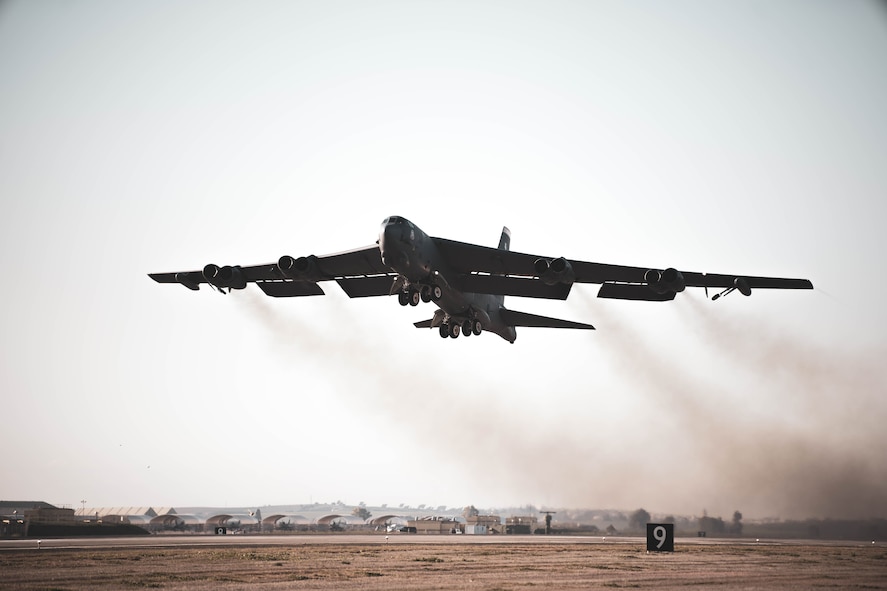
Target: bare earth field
pixel 373 563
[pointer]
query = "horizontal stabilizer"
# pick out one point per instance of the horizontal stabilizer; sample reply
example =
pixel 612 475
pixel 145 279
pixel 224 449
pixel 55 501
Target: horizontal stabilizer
pixel 633 291
pixel 363 287
pixel 513 286
pixel 512 318
pixel 289 289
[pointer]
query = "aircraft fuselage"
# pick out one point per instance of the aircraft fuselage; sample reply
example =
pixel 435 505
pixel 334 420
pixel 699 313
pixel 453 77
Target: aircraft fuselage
pixel 413 255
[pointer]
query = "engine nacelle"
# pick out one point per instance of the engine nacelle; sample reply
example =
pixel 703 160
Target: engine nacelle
pixel 668 281
pixel 555 271
pixel 300 269
pixel 227 276
pixel 742 285
pixel 211 274
pixel 232 277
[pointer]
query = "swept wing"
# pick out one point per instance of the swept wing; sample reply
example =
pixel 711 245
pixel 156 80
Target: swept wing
pixel 360 272
pixel 494 271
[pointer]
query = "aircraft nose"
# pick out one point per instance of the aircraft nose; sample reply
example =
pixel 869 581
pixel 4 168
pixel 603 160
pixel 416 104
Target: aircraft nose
pixel 389 244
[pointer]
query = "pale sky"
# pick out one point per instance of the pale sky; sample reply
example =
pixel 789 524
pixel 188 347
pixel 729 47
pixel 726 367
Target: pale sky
pixel 736 137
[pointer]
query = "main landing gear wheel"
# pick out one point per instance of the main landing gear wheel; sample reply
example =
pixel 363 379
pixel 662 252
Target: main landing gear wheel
pixel 444 331
pixel 477 327
pixel 403 298
pixel 436 293
pixel 414 297
pixel 466 328
pixel 425 293
pixel 455 329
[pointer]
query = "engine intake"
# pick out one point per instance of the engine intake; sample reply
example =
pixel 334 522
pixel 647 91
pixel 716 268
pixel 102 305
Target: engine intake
pixel 300 269
pixel 668 281
pixel 742 285
pixel 554 271
pixel 227 276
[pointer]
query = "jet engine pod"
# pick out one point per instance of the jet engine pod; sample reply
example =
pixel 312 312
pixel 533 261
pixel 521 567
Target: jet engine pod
pixel 669 281
pixel 211 274
pixel 742 285
pixel 300 269
pixel 555 271
pixel 231 277
pixel 673 279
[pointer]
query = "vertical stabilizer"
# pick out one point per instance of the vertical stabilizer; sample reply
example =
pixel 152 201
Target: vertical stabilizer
pixel 504 244
pixel 505 239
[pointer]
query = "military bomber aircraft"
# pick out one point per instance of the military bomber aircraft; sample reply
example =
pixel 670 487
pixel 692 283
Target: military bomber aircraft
pixel 466 282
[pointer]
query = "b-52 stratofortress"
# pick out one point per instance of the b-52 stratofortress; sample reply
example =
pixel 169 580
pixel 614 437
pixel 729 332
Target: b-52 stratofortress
pixel 467 282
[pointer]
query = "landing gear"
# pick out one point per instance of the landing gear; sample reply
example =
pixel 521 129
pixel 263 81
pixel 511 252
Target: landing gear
pixel 454 328
pixel 409 297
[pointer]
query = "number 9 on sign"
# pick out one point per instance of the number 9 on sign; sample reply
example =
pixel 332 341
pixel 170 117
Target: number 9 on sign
pixel 660 537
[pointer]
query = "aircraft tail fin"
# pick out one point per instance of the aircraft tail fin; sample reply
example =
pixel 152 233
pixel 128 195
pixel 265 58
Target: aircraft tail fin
pixel 513 318
pixel 504 244
pixel 505 239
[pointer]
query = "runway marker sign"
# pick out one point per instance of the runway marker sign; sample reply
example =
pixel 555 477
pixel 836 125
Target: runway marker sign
pixel 660 537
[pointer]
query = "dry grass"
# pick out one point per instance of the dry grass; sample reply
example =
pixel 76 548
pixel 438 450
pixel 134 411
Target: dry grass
pixel 449 566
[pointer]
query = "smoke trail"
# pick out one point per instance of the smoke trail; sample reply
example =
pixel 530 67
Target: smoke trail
pixel 820 451
pixel 467 416
pixel 782 436
pixel 756 419
pixel 457 419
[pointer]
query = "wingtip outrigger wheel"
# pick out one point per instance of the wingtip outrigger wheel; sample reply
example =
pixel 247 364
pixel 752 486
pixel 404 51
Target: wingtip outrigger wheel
pixel 738 283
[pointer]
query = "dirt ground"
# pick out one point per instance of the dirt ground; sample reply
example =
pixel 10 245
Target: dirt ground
pixel 451 566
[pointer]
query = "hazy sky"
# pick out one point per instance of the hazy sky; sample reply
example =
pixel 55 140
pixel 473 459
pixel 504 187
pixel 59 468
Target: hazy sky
pixel 737 137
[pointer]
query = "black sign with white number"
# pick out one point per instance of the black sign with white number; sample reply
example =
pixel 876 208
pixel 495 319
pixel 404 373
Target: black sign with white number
pixel 660 537
pixel 220 531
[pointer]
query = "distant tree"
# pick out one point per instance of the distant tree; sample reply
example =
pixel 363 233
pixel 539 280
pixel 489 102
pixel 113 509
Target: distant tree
pixel 713 525
pixel 470 511
pixel 639 519
pixel 611 530
pixel 361 512
pixel 669 519
pixel 736 528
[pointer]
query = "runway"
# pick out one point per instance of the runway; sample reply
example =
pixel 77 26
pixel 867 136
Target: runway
pixel 230 540
pixel 442 562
